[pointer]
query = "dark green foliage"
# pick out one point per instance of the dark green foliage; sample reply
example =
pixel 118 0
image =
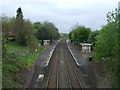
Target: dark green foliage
pixel 114 72
pixel 8 25
pixel 24 35
pixel 93 37
pixel 19 12
pixel 107 42
pixel 80 34
pixel 10 64
pixel 83 34
pixel 108 38
pixel 4 48
pixel 20 31
pixel 108 45
pixel 37 25
pixel 75 36
pixel 24 31
pixel 118 74
pixel 46 31
pixel 30 39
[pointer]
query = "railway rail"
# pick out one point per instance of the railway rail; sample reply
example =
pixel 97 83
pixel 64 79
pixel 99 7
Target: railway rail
pixel 68 66
pixel 75 83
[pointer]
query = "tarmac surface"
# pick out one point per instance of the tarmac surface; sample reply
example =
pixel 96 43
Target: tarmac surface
pixel 85 69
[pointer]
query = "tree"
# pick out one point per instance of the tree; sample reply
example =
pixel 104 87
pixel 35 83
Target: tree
pixel 104 47
pixel 46 31
pixel 30 38
pixel 93 37
pixel 83 34
pixel 36 25
pixel 108 33
pixel 108 45
pixel 80 34
pixel 8 24
pixel 19 28
pixel 74 36
pixel 24 31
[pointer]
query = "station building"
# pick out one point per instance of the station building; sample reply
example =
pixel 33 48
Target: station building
pixel 46 42
pixel 85 47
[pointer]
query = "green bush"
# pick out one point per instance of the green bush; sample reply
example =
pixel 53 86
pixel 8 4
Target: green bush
pixel 11 64
pixel 108 46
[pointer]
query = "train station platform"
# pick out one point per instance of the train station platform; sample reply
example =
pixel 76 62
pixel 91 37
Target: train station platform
pixel 86 70
pixel 40 65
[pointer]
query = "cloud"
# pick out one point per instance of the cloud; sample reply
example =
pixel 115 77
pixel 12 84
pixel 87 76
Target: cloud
pixel 63 13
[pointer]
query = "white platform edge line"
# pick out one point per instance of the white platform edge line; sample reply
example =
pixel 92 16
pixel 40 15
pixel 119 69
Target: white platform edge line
pixel 72 53
pixel 52 53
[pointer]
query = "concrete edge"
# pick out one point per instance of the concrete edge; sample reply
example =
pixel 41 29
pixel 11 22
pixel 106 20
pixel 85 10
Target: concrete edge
pixel 72 53
pixel 51 53
pixel 84 85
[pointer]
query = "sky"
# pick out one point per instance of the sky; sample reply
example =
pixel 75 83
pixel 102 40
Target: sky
pixel 64 14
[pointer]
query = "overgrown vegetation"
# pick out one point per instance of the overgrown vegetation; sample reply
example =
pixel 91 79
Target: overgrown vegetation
pixel 25 41
pixel 11 64
pixel 93 37
pixel 21 29
pixel 106 43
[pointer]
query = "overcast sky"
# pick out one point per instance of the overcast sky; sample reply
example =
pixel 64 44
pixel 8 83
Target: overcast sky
pixel 63 13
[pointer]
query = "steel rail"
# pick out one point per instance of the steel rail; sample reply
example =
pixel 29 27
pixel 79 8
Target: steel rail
pixel 72 64
pixel 67 73
pixel 51 67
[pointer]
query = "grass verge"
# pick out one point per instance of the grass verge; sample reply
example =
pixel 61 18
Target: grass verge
pixel 14 46
pixel 30 59
pixel 12 62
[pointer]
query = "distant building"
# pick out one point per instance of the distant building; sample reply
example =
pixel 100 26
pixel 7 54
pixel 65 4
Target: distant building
pixel 46 42
pixel 85 47
pixel 61 35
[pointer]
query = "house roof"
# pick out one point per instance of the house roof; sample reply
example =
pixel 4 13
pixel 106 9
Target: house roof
pixel 85 43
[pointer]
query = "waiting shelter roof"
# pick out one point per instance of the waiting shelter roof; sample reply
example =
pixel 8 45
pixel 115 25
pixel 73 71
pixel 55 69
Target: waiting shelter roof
pixel 85 43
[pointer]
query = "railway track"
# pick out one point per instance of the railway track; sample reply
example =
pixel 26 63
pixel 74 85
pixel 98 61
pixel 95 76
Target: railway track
pixel 53 72
pixel 70 63
pixel 62 69
pixel 52 80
